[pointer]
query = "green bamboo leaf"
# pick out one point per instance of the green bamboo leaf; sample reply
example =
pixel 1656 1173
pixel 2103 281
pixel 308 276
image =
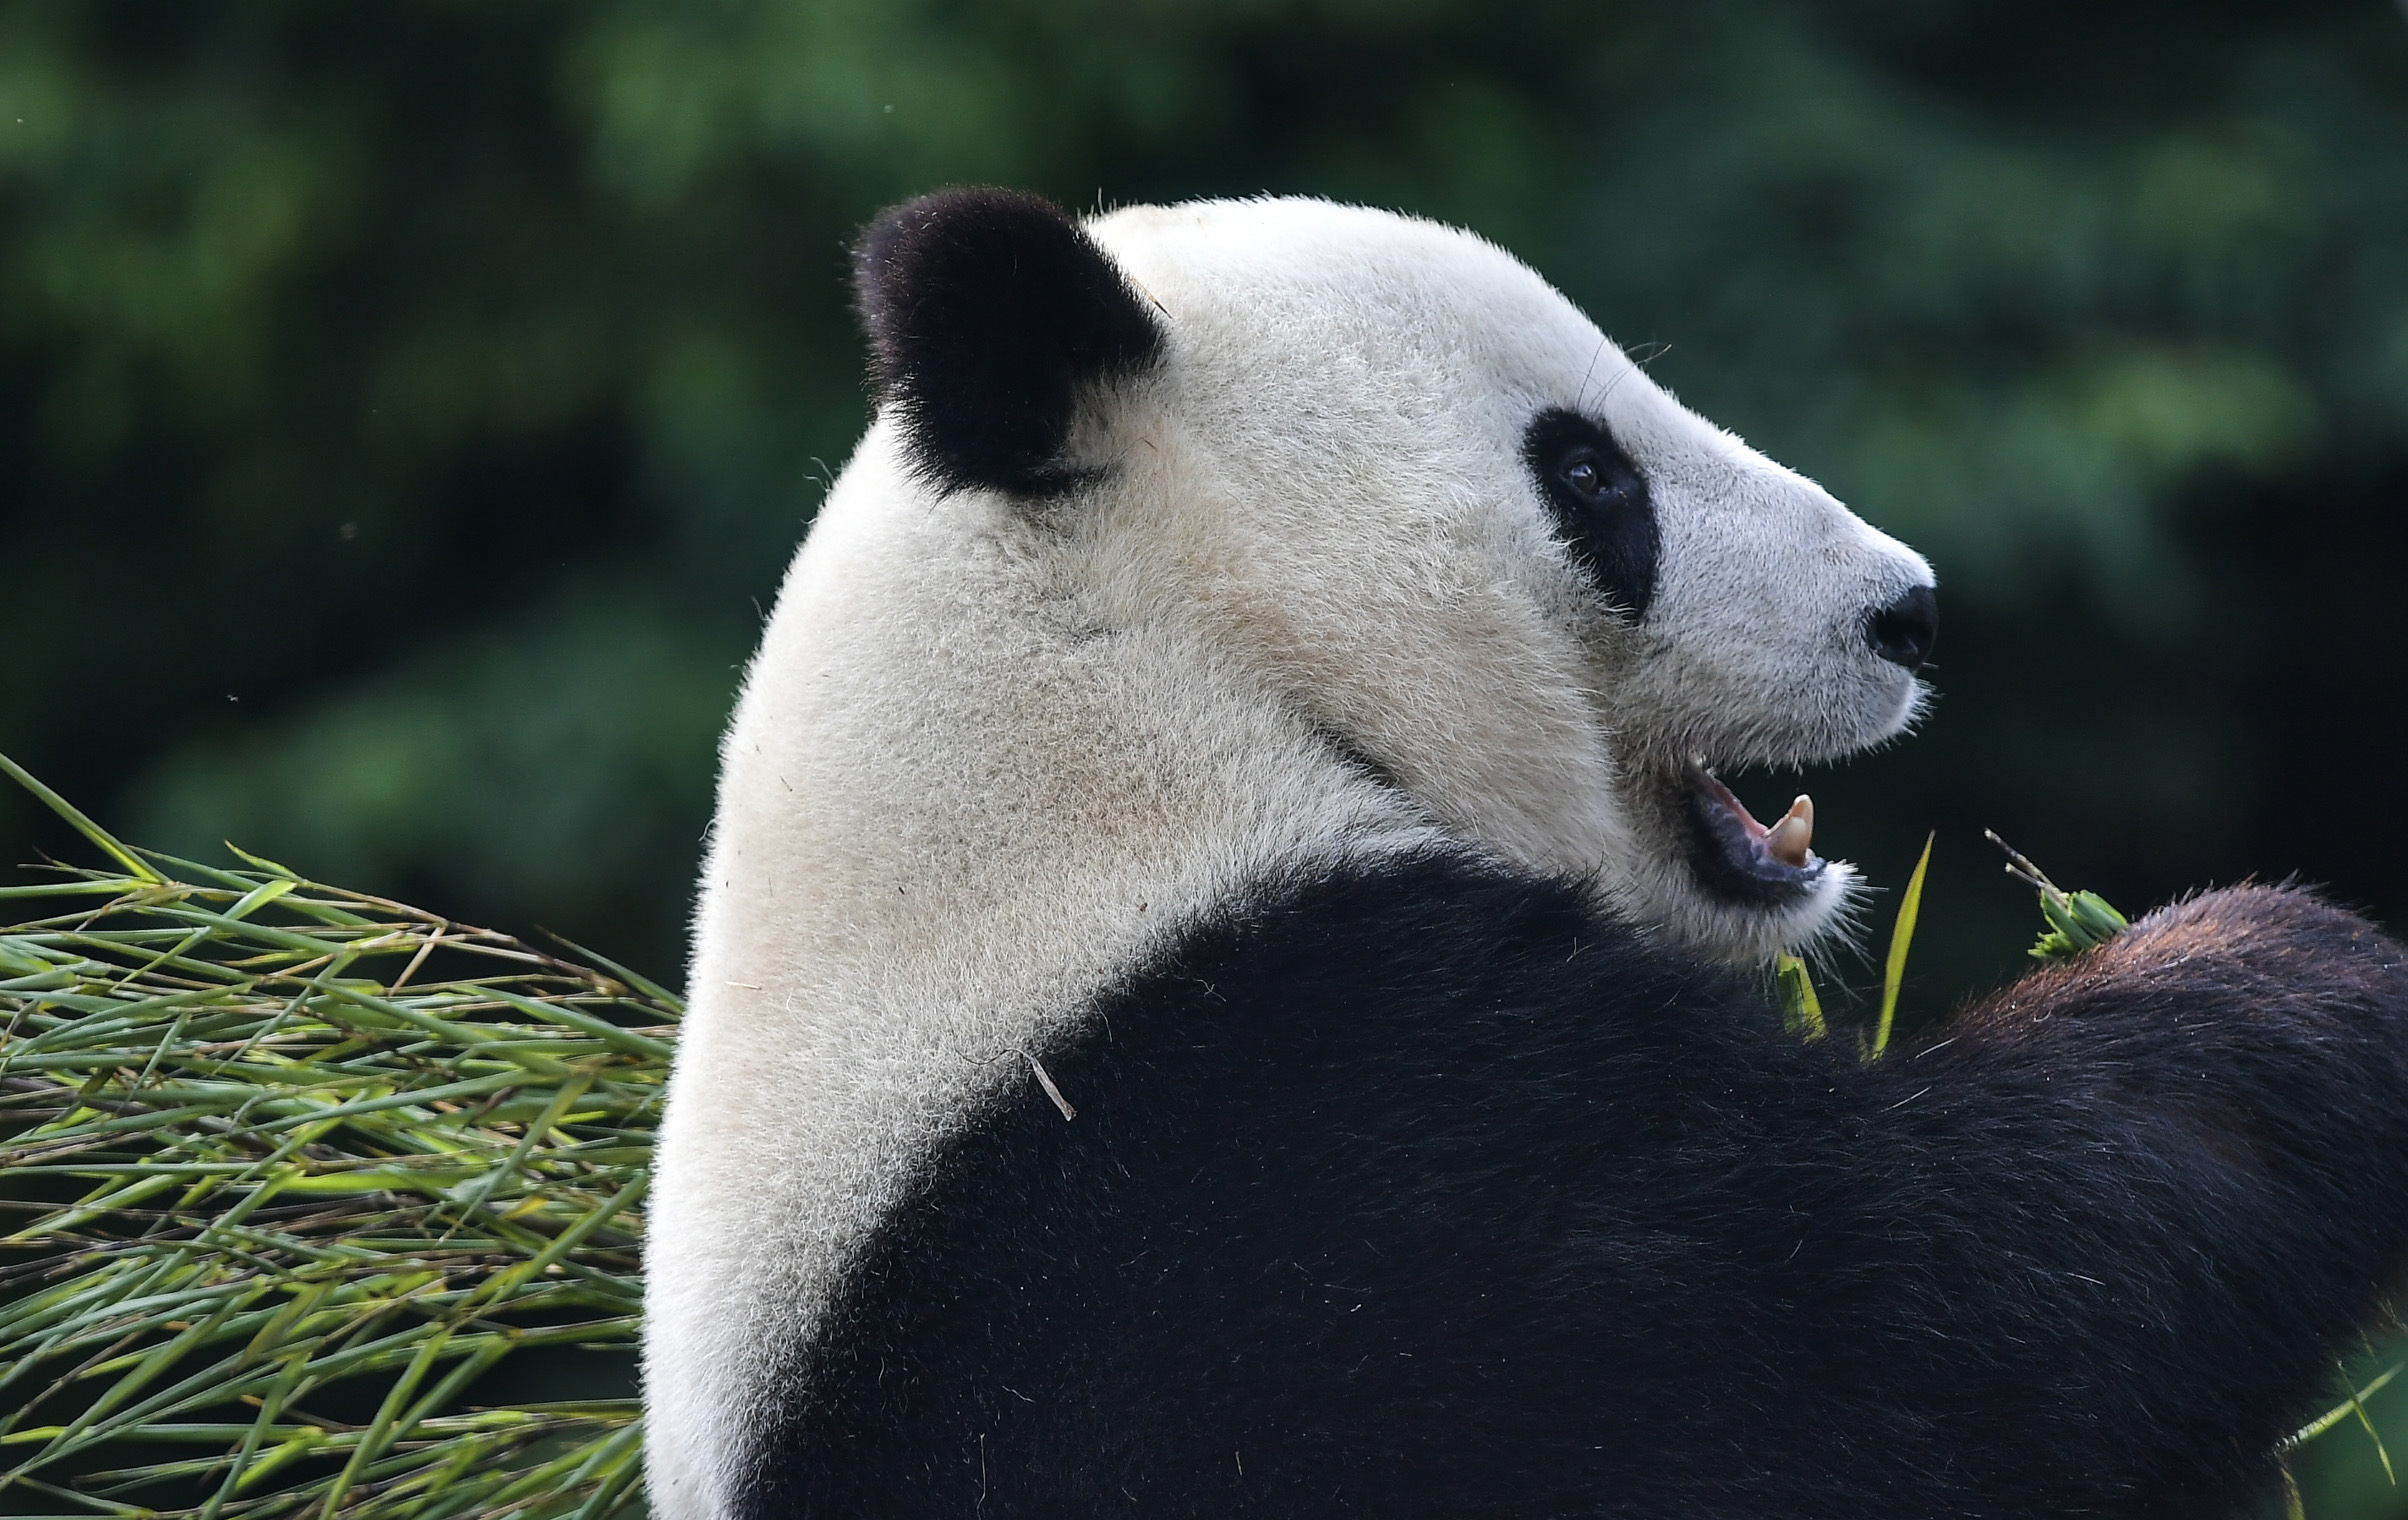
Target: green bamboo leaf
pixel 1902 935
pixel 81 824
pixel 299 1178
pixel 372 1440
pixel 638 981
pixel 1801 1010
pixel 626 1040
pixel 620 1452
pixel 2345 1409
pixel 158 1360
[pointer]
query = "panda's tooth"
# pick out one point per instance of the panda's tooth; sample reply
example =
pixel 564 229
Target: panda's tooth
pixel 1789 840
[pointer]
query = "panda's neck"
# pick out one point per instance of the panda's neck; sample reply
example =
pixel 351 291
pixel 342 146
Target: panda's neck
pixel 936 723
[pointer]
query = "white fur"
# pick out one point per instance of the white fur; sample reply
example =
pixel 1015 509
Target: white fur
pixel 987 756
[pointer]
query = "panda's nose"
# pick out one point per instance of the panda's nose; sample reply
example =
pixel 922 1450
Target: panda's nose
pixel 1902 633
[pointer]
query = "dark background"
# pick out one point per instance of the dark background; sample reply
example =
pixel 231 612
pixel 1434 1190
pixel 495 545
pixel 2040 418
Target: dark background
pixel 407 409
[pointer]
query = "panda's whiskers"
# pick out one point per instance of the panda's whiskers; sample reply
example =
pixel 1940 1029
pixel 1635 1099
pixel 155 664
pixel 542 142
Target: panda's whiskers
pixel 1845 934
pixel 1580 397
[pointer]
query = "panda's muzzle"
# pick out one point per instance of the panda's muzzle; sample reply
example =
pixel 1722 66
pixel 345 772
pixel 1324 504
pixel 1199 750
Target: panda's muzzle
pixel 1736 857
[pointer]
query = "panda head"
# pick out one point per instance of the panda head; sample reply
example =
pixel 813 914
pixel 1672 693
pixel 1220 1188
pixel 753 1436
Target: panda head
pixel 1401 487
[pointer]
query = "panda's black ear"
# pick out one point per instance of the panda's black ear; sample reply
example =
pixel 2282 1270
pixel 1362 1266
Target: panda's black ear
pixel 989 314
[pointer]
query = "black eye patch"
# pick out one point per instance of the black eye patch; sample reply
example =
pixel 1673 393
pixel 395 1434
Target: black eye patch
pixel 1599 501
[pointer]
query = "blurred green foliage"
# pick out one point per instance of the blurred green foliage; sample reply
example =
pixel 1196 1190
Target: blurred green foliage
pixel 406 408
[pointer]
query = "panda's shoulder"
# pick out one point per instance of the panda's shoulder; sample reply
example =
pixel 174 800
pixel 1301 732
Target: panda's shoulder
pixel 1399 934
pixel 1352 985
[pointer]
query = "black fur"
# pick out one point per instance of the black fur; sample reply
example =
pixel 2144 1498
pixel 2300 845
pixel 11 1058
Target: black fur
pixel 1600 504
pixel 989 312
pixel 1437 1194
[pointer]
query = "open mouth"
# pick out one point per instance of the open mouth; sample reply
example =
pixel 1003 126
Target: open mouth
pixel 1737 858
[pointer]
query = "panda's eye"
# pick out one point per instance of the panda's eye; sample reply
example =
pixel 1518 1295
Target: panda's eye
pixel 1599 503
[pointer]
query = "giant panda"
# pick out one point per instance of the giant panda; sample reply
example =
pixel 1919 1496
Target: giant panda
pixel 1226 981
